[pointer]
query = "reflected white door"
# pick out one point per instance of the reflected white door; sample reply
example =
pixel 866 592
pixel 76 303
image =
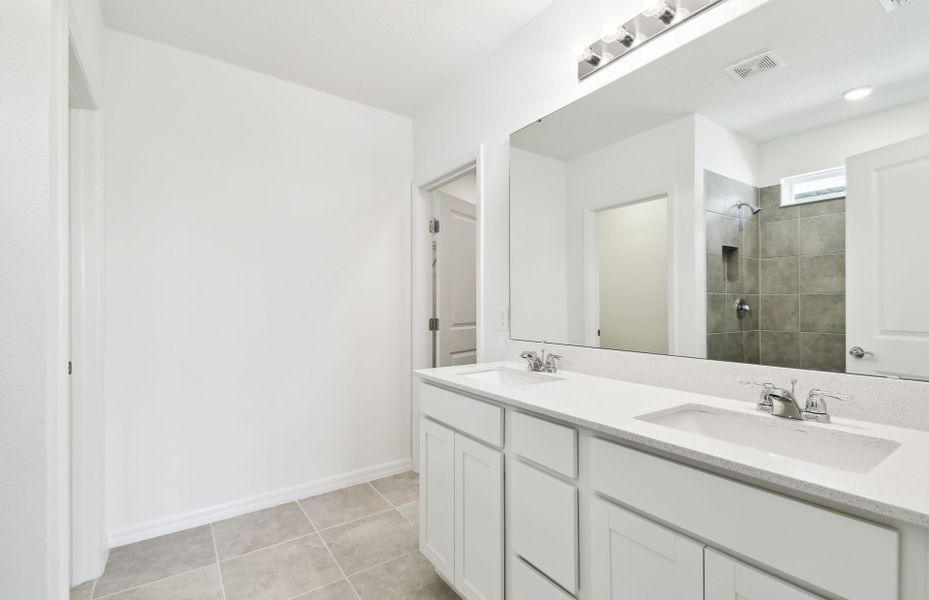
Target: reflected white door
pixel 887 282
pixel 632 257
pixel 456 285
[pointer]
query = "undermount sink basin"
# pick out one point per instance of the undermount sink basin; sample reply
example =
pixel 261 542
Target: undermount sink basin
pixel 778 437
pixel 510 377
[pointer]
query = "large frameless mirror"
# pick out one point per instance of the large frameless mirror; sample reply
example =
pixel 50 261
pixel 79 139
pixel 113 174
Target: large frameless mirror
pixel 760 195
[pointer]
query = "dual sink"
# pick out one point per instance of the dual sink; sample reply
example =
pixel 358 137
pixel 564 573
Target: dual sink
pixel 816 444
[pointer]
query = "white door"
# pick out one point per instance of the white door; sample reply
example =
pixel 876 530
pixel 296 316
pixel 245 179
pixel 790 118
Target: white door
pixel 437 497
pixel 633 558
pixel 728 579
pixel 478 520
pixel 887 286
pixel 455 280
pixel 632 257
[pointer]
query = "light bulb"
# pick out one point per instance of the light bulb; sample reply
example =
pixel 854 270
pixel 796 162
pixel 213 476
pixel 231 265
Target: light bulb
pixel 858 93
pixel 660 10
pixel 612 34
pixel 591 57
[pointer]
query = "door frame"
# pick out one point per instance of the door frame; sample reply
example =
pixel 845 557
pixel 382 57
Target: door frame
pixel 88 546
pixel 421 253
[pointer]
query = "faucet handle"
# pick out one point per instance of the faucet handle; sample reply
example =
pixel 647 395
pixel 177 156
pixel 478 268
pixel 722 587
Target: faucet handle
pixel 816 409
pixel 551 365
pixel 815 402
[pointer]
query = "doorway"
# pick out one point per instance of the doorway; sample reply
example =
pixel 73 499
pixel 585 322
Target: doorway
pixel 454 272
pixel 632 276
pixel 457 284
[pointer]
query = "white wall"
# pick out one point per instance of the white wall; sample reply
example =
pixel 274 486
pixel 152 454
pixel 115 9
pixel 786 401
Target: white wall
pixel 532 75
pixel 258 288
pixel 658 162
pixel 828 147
pixel 25 132
pixel 538 250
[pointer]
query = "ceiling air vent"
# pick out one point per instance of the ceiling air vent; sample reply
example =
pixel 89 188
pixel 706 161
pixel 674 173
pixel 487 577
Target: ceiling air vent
pixel 756 65
pixel 891 5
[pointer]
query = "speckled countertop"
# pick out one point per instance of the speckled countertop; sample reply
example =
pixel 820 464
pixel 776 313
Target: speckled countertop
pixel 898 487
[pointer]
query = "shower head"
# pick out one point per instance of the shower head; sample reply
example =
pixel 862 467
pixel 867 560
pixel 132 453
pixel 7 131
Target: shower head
pixel 755 209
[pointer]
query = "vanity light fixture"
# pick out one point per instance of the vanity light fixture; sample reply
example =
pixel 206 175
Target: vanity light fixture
pixel 618 39
pixel 858 93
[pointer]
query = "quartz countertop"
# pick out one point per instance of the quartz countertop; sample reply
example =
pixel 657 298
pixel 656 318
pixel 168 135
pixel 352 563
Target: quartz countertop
pixel 898 487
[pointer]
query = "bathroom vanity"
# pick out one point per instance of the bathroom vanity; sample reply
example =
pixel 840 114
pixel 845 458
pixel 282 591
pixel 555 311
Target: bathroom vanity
pixel 557 486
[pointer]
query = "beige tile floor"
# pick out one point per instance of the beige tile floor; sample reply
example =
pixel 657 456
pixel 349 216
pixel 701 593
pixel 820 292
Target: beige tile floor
pixel 359 543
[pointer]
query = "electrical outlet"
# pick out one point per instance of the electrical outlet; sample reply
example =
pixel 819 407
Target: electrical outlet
pixel 503 320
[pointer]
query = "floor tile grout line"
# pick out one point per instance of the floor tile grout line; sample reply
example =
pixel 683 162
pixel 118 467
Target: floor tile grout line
pixel 378 492
pixel 219 568
pixel 384 562
pixel 152 582
pixel 274 545
pixel 331 555
pixel 380 512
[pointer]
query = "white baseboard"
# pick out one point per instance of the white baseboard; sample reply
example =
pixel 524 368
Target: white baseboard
pixel 144 531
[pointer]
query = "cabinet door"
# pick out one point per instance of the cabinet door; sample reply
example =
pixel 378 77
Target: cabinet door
pixel 437 497
pixel 729 579
pixel 633 558
pixel 543 512
pixel 478 520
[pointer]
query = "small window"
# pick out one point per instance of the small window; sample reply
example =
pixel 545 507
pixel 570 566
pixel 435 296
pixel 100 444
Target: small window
pixel 813 187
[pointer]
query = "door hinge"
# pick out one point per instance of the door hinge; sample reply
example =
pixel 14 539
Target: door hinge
pixel 434 226
pixel 433 324
pixel 69 367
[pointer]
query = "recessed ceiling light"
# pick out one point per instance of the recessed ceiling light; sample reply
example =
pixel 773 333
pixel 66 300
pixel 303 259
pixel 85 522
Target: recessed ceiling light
pixel 859 93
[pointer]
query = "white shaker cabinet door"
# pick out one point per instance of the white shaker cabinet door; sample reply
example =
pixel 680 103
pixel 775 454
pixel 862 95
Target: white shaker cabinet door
pixel 478 520
pixel 633 558
pixel 437 497
pixel 729 579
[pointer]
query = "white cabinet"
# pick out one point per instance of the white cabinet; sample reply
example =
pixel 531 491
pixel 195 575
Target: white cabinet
pixel 478 520
pixel 729 579
pixel 543 510
pixel 437 497
pixel 461 511
pixel 633 558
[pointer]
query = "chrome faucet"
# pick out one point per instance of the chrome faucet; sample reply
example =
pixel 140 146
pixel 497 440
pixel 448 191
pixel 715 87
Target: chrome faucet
pixel 545 364
pixel 535 363
pixel 783 403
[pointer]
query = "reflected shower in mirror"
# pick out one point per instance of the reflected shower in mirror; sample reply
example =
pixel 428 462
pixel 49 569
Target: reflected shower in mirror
pixel 757 196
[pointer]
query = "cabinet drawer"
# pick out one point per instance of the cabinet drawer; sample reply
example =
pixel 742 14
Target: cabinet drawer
pixel 849 557
pixel 550 445
pixel 478 419
pixel 529 585
pixel 544 513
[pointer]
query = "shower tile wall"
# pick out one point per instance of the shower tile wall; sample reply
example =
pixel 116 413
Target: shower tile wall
pixel 732 270
pixel 802 283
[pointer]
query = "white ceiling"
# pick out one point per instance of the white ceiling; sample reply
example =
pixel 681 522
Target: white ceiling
pixel 829 46
pixel 391 54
